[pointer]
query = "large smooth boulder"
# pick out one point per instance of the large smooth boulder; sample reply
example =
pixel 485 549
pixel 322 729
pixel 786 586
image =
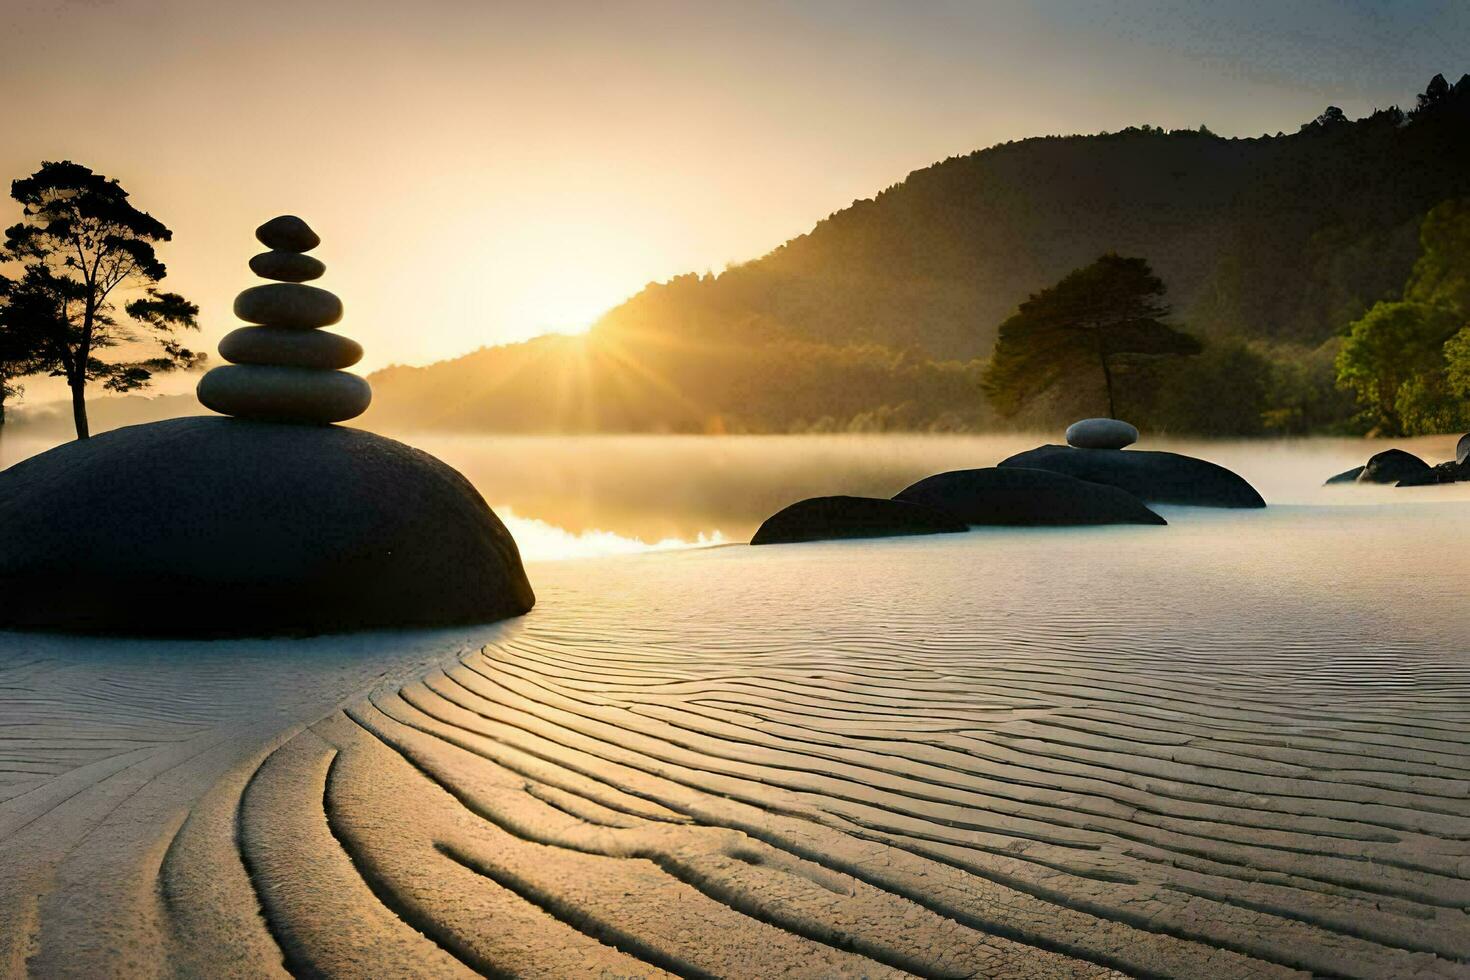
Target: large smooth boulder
pixel 1027 498
pixel 1462 450
pixel 1393 466
pixel 1154 477
pixel 1101 434
pixel 828 518
pixel 215 526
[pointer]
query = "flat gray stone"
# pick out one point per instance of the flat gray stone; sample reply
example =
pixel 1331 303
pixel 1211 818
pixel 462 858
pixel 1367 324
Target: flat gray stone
pixel 288 233
pixel 1101 434
pixel 286 266
pixel 213 526
pixel 284 394
pixel 288 304
pixel 289 347
pixel 1017 497
pixel 828 518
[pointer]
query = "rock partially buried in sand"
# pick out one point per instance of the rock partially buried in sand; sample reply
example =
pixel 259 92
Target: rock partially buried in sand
pixel 1153 477
pixel 1101 434
pixel 287 233
pixel 828 518
pixel 287 347
pixel 1392 466
pixel 284 394
pixel 286 266
pixel 219 526
pixel 288 304
pixel 1020 497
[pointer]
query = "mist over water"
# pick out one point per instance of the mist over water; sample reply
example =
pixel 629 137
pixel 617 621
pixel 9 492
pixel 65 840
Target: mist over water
pixel 580 496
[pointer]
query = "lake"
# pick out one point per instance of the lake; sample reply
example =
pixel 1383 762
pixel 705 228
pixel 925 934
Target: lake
pixel 601 495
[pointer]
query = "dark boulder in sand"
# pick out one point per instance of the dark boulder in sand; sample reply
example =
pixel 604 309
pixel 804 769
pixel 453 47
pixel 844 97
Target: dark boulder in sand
pixel 215 526
pixel 1154 477
pixel 828 518
pixel 1346 476
pixel 1016 496
pixel 1393 466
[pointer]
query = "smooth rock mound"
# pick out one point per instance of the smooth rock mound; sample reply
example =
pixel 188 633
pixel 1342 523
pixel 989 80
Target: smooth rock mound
pixel 828 518
pixel 1026 498
pixel 1154 477
pixel 1101 434
pixel 1393 466
pixel 284 394
pixel 227 527
pixel 1462 450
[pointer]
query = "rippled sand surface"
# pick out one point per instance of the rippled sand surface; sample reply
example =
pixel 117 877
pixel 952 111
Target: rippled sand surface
pixel 1233 747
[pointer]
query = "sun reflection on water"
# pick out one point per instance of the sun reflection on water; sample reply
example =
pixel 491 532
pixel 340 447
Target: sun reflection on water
pixel 541 541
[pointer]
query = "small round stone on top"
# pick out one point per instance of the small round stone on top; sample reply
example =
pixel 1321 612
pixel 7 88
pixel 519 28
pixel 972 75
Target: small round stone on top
pixel 287 233
pixel 1101 434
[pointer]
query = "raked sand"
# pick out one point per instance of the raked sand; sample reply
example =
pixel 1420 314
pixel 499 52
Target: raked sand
pixel 1234 747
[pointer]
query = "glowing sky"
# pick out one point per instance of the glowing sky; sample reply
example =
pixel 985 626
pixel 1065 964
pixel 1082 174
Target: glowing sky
pixel 482 172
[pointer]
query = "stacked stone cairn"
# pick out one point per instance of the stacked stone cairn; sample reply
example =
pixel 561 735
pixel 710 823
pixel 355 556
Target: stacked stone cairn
pixel 285 368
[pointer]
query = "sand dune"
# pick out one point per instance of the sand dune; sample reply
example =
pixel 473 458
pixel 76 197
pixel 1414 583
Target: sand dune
pixel 941 758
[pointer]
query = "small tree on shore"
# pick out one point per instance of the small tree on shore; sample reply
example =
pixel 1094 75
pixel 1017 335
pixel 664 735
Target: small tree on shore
pixel 80 241
pixel 1081 332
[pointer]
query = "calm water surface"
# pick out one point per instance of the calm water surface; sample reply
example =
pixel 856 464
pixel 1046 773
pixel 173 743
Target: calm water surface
pixel 582 496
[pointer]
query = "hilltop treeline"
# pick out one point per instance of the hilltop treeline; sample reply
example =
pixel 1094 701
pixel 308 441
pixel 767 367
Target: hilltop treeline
pixel 883 315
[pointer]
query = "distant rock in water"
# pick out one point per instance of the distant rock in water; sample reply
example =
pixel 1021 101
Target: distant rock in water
pixel 1101 434
pixel 1154 477
pixel 1026 498
pixel 1346 476
pixel 828 518
pixel 219 526
pixel 1392 466
pixel 1448 472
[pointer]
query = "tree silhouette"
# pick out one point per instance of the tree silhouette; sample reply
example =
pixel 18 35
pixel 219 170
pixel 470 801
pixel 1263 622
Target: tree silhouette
pixel 18 346
pixel 81 240
pixel 1096 320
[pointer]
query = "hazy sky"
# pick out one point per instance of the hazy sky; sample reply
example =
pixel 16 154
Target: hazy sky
pixel 483 171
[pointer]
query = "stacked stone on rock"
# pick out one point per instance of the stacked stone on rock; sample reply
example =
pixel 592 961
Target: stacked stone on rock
pixel 1101 434
pixel 285 367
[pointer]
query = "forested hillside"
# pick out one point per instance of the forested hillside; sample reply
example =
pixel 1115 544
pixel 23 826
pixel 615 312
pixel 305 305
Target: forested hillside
pixel 882 316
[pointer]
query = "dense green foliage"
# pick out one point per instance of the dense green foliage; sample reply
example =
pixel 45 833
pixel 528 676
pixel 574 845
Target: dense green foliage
pixel 80 240
pixel 1407 361
pixel 1081 341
